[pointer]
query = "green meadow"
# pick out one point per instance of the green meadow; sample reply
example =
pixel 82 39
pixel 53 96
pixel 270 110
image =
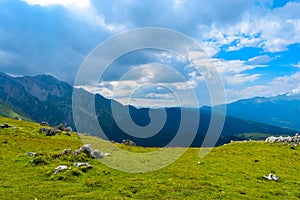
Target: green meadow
pixel 232 171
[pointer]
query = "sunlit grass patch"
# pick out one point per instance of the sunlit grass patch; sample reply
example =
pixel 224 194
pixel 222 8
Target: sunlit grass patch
pixel 233 171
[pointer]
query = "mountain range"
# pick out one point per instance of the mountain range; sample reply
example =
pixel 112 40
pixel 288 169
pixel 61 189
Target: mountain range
pixel 282 110
pixel 44 98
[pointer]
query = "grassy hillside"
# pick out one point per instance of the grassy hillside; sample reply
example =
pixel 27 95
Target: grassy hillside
pixel 233 171
pixel 8 111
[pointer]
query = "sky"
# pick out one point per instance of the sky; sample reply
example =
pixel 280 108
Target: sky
pixel 254 45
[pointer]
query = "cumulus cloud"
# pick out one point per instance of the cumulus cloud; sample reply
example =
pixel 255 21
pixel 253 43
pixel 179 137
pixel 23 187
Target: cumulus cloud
pixel 181 15
pixel 270 29
pixel 151 81
pixel 45 39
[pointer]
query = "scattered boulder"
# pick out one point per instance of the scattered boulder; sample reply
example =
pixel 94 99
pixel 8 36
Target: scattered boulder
pixel 61 127
pixel 60 168
pixel 96 154
pixel 128 142
pixel 18 118
pixel 5 126
pixel 77 152
pixel 49 131
pixel 43 130
pixel 30 153
pixel 87 148
pixel 66 152
pixel 284 140
pixel 79 164
pixel 43 123
pixel 271 177
pixel 68 129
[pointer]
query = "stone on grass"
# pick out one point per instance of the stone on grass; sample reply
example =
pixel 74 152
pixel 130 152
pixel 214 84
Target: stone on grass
pixel 77 152
pixel 284 140
pixel 66 152
pixel 60 168
pixel 5 126
pixel 107 154
pixel 30 153
pixel 68 129
pixel 18 118
pixel 96 154
pixel 61 127
pixel 80 164
pixel 271 177
pixel 43 123
pixel 87 148
pixel 128 142
pixel 49 131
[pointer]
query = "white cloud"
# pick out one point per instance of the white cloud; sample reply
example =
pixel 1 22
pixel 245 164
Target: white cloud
pixel 229 25
pixel 297 65
pixel 159 96
pixel 272 30
pixel 65 3
pixel 233 71
pixel 259 60
pixel 6 57
pixel 83 10
pixel 295 91
pixel 153 82
pixel 231 66
pixel 241 78
pixel 280 85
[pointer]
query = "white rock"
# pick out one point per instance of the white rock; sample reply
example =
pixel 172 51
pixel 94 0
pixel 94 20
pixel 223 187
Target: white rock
pixel 79 164
pixel 86 147
pixel 30 153
pixel 96 154
pixel 60 168
pixel 271 177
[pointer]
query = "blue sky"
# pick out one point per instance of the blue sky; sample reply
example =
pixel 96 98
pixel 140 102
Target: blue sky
pixel 254 44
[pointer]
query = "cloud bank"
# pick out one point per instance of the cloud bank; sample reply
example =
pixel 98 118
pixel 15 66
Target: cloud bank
pixel 254 44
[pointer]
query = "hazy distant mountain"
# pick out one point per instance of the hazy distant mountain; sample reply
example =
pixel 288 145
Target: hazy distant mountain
pixel 44 98
pixel 282 110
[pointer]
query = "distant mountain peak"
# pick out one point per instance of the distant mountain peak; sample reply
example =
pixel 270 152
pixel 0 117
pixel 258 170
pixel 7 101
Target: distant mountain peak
pixel 41 86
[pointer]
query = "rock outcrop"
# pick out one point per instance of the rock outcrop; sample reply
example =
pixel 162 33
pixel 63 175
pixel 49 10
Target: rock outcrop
pixel 284 140
pixel 128 142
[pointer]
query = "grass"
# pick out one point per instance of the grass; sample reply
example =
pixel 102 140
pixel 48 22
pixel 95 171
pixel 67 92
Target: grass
pixel 232 171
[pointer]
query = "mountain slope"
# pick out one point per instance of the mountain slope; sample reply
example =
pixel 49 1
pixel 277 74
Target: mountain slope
pixel 44 98
pixel 282 111
pixel 15 94
pixel 7 110
pixel 43 86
